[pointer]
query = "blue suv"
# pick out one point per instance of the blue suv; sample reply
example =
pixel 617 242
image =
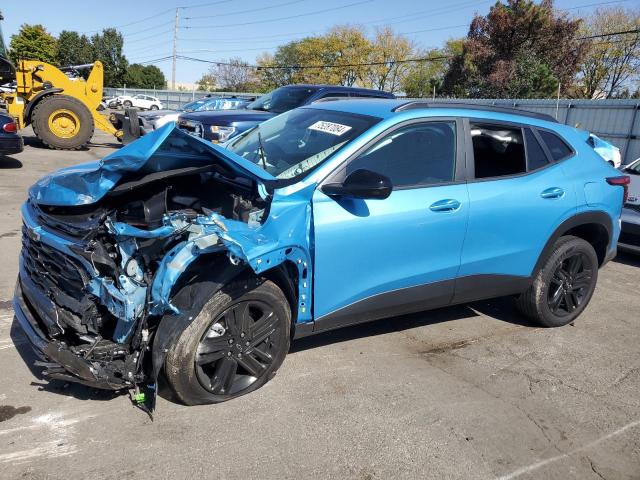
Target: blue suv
pixel 174 254
pixel 221 126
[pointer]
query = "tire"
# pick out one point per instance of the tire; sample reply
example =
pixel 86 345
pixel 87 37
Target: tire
pixel 62 108
pixel 127 104
pixel 153 107
pixel 195 381
pixel 563 286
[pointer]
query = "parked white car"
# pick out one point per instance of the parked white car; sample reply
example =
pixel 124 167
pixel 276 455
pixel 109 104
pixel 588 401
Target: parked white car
pixel 607 151
pixel 145 102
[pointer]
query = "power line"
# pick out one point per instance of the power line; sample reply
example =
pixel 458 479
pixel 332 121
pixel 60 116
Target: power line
pixel 364 64
pixel 252 10
pixel 333 9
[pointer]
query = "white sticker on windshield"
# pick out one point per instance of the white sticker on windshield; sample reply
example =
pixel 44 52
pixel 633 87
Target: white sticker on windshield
pixel 330 127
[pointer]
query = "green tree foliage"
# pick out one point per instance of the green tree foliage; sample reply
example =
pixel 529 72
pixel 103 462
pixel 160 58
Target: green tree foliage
pixel 73 49
pixel 388 56
pixel 206 83
pixel 144 76
pixel 107 47
pixel 421 77
pixel 349 52
pixel 612 63
pixel 33 42
pixel 234 75
pixel 521 49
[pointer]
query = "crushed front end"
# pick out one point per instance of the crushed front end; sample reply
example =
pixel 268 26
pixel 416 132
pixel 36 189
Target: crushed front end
pixel 105 246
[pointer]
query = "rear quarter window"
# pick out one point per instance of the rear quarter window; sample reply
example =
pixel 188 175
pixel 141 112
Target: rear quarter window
pixel 556 146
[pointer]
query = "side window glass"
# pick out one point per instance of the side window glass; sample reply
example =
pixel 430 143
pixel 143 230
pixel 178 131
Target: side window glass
pixel 415 155
pixel 498 150
pixel 536 158
pixel 334 94
pixel 555 144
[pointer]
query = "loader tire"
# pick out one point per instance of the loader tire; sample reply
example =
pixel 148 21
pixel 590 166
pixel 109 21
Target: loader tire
pixel 62 122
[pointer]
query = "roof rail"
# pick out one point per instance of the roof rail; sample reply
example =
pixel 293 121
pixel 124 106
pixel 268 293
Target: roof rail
pixel 416 104
pixel 334 99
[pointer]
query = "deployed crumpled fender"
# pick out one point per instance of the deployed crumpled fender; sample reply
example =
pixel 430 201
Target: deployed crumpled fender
pixel 87 183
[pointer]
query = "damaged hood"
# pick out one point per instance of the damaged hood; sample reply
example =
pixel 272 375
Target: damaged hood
pixel 165 149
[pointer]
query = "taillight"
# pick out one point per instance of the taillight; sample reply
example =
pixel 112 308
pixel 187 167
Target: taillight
pixel 621 181
pixel 10 127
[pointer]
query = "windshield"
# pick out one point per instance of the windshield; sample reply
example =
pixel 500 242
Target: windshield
pixel 206 104
pixel 294 143
pixel 282 99
pixel 634 167
pixel 3 49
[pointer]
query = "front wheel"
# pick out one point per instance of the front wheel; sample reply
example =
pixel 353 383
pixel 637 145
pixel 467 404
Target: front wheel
pixel 563 287
pixel 62 122
pixel 234 346
pixel 154 107
pixel 127 104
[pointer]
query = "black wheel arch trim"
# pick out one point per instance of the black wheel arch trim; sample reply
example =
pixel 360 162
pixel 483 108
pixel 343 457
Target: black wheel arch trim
pixel 597 217
pixel 34 101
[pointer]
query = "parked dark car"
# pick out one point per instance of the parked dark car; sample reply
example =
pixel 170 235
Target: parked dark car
pixel 10 140
pixel 220 126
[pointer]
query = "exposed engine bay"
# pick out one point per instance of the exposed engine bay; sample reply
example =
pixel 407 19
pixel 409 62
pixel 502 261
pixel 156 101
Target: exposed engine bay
pixel 156 214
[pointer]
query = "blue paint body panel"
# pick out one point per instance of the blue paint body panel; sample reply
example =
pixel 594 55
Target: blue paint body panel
pixel 344 250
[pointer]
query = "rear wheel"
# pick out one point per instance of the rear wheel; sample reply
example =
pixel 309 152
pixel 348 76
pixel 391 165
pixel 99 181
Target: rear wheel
pixel 127 103
pixel 564 285
pixel 62 122
pixel 234 346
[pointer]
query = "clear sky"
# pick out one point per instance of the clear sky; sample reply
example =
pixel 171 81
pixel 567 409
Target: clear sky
pixel 217 30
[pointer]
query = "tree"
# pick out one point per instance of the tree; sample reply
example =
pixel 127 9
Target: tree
pixel 107 47
pixel 342 56
pixel 73 49
pixel 141 76
pixel 519 50
pixel 388 53
pixel 207 82
pixel 234 75
pixel 33 42
pixel 612 61
pixel 422 77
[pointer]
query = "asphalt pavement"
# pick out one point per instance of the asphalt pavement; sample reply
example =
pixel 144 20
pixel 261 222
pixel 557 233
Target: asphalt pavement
pixel 472 391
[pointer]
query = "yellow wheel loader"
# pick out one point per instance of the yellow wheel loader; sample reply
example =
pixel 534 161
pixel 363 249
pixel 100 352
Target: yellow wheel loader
pixel 61 107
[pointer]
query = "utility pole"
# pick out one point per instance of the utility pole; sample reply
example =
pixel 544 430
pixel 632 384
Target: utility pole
pixel 175 51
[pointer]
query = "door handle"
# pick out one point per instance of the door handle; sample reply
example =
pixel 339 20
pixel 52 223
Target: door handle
pixel 553 192
pixel 447 205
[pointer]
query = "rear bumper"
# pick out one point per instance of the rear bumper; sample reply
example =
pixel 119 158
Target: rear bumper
pixel 11 145
pixel 61 362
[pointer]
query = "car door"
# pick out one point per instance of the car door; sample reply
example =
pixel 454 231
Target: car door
pixel 377 258
pixel 519 194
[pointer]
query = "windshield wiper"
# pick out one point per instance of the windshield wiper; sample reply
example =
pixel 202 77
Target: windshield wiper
pixel 261 150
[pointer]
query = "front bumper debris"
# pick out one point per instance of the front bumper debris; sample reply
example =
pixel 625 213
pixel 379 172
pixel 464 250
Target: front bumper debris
pixel 60 362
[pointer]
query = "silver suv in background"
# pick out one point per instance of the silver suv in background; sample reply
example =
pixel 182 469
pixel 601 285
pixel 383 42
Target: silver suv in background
pixel 630 235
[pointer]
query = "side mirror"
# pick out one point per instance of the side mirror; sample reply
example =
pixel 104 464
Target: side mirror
pixel 363 184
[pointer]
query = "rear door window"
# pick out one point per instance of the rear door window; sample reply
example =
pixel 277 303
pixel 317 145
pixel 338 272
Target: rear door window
pixel 536 158
pixel 556 146
pixel 498 150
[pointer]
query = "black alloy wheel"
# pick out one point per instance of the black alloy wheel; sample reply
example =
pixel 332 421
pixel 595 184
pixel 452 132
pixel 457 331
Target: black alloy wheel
pixel 563 285
pixel 569 284
pixel 238 348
